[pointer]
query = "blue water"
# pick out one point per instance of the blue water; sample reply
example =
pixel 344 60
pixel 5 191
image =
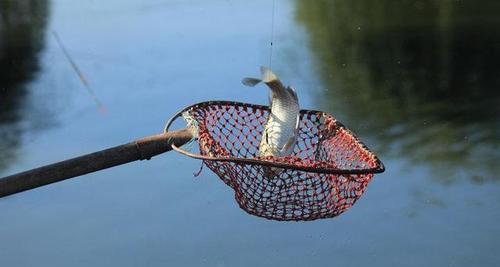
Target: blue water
pixel 147 59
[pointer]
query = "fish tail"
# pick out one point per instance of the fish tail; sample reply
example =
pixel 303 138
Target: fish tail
pixel 267 75
pixel 251 82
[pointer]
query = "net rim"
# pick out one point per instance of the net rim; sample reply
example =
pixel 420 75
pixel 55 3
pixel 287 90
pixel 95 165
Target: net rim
pixel 378 169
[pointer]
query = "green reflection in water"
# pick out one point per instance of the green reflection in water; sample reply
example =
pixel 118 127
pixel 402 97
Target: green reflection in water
pixel 421 78
pixel 22 24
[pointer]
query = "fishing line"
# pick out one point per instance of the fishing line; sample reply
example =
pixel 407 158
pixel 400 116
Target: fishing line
pixel 272 36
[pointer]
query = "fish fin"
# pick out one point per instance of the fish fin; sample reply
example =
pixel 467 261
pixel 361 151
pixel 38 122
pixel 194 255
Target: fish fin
pixel 293 139
pixel 289 144
pixel 297 123
pixel 251 82
pixel 293 92
pixel 267 75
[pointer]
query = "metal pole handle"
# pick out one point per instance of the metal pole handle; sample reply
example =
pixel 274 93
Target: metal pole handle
pixel 141 149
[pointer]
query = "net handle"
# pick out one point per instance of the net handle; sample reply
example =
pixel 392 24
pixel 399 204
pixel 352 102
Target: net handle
pixel 142 149
pixel 379 169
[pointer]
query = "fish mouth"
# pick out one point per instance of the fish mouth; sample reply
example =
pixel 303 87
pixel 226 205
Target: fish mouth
pixel 272 172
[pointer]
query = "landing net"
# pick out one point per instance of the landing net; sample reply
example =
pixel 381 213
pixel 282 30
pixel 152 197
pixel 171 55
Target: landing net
pixel 327 173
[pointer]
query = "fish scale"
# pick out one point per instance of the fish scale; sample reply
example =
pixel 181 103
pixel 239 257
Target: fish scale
pixel 280 127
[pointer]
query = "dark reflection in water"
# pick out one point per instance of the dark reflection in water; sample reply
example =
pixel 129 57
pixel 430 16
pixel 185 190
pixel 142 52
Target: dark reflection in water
pixel 22 24
pixel 421 78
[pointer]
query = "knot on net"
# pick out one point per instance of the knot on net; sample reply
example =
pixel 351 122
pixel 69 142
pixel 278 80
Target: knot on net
pixel 327 173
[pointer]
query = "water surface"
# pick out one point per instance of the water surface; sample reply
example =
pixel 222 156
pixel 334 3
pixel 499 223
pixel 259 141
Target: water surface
pixel 417 80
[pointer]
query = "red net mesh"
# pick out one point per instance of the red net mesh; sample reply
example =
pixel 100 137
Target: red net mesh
pixel 327 173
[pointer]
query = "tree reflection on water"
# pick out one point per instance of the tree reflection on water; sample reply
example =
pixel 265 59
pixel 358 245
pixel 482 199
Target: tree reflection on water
pixel 419 77
pixel 22 24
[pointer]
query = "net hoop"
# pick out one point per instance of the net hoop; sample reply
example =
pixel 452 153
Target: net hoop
pixel 378 169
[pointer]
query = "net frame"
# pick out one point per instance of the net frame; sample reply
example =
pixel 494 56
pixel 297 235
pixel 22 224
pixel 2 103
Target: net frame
pixel 308 186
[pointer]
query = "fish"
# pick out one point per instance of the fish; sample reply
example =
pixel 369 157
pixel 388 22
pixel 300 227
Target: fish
pixel 281 130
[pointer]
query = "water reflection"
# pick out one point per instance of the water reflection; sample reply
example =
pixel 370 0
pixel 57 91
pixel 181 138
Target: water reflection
pixel 419 77
pixel 22 24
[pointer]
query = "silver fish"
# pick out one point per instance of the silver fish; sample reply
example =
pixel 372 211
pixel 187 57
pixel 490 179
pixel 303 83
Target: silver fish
pixel 280 133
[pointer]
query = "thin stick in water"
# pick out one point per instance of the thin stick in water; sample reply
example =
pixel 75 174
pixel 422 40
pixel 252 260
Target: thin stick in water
pixel 82 78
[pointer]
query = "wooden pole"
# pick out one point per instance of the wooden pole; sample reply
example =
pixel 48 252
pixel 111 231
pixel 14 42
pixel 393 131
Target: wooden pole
pixel 142 149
